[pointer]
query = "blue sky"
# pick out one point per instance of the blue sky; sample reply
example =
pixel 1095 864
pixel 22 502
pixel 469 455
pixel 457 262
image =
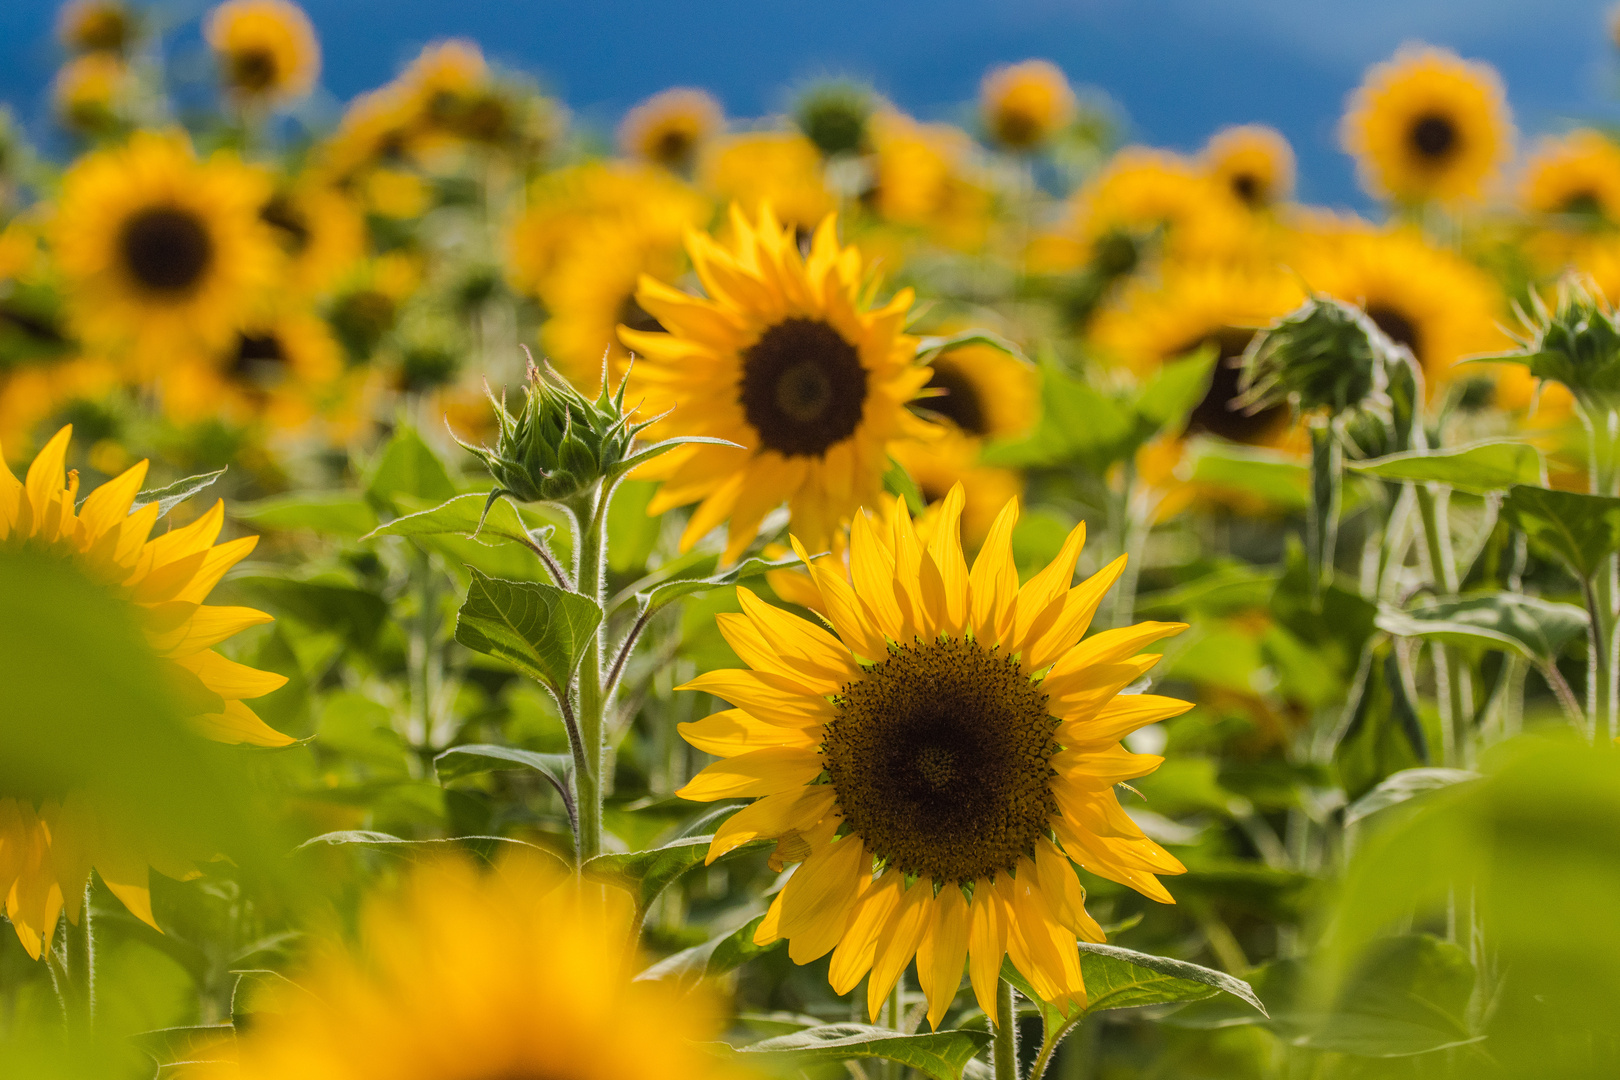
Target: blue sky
pixel 1178 69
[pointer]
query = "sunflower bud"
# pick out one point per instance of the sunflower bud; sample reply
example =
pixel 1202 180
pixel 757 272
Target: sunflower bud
pixel 559 443
pixel 1577 343
pixel 834 116
pixel 1326 355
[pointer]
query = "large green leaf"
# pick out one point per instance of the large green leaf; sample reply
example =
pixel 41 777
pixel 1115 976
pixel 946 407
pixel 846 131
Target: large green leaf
pixel 940 1054
pixel 474 759
pixel 1582 530
pixel 540 629
pixel 1478 468
pixel 1409 996
pixel 1078 424
pixel 176 493
pixel 1536 629
pixel 716 956
pixel 646 874
pixel 1119 978
pixel 407 465
pixel 461 515
pixel 1274 477
pixel 328 514
pixel 189 1045
pixel 487 848
pixel 1176 390
pixel 1402 787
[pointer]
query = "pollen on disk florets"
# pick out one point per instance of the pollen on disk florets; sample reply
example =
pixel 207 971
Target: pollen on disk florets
pixel 940 755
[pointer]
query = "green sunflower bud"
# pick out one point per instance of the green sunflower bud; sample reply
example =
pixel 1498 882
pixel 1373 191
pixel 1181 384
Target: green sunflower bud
pixel 834 116
pixel 1576 343
pixel 1324 356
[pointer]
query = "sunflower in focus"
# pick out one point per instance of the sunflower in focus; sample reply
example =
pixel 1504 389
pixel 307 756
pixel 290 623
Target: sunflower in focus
pixel 88 26
pixel 1428 125
pixel 276 371
pixel 48 850
pixel 1576 177
pixel 784 359
pixel 1025 104
pixel 1145 191
pixel 1253 162
pixel 89 91
pixel 671 127
pixel 935 767
pixel 778 168
pixel 162 251
pixel 467 976
pixel 267 49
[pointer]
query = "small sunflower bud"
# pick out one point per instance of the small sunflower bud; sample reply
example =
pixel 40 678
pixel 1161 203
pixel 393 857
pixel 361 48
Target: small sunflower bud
pixel 834 116
pixel 1577 343
pixel 559 443
pixel 1326 355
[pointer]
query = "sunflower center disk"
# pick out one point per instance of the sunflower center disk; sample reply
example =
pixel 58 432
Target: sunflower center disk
pixel 259 359
pixel 1396 326
pixel 166 249
pixel 253 70
pixel 1434 136
pixel 803 388
pixel 940 759
pixel 960 403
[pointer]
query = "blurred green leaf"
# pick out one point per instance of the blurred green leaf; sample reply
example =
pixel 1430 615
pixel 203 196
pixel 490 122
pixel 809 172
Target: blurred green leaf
pixel 1477 468
pixel 689 967
pixel 1401 787
pixel 487 848
pixel 329 514
pixel 407 465
pixel 356 613
pixel 176 493
pixel 1119 978
pixel 929 346
pixel 1176 389
pixel 632 532
pixel 1270 475
pixel 1534 628
pixel 1231 586
pixel 940 1054
pixel 646 874
pixel 540 629
pixel 1582 530
pixel 1382 733
pixel 476 758
pixel 200 1043
pixel 1408 996
pixel 1078 424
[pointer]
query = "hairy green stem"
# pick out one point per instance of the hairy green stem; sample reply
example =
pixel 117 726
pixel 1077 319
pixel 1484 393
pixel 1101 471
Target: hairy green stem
pixel 1006 1044
pixel 73 966
pixel 1443 573
pixel 423 654
pixel 590 548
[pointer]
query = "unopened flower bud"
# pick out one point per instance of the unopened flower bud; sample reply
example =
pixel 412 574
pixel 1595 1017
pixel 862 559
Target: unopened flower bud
pixel 1325 355
pixel 1576 343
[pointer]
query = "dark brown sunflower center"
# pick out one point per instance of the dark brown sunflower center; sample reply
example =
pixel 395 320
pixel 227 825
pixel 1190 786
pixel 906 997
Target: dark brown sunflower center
pixel 289 222
pixel 1433 136
pixel 961 402
pixel 254 70
pixel 105 29
pixel 636 317
pixel 260 359
pixel 1584 203
pixel 1215 415
pixel 1248 188
pixel 673 147
pixel 803 388
pixel 1018 127
pixel 940 756
pixel 1397 327
pixel 166 249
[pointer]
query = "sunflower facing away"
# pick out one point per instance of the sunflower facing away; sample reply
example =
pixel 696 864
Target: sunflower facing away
pixel 1025 104
pixel 89 91
pixel 48 850
pixel 267 49
pixel 784 359
pixel 670 127
pixel 1576 177
pixel 1428 125
pixel 162 251
pixel 469 976
pixel 935 766
pixel 1253 162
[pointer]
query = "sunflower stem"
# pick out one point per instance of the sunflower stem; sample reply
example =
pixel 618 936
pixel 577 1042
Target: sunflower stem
pixel 1006 1044
pixel 1443 575
pixel 590 527
pixel 75 970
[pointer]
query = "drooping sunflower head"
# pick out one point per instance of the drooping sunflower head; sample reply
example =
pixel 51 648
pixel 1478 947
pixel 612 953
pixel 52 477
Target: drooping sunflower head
pixel 834 115
pixel 88 92
pixel 784 358
pixel 1025 104
pixel 782 169
pixel 1575 178
pixel 96 26
pixel 1428 125
pixel 465 976
pixel 162 250
pixel 267 49
pixel 1253 162
pixel 936 765
pixel 671 127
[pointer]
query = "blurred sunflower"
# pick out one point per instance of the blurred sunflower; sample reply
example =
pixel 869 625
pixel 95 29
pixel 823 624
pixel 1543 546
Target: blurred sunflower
pixel 467 976
pixel 85 26
pixel 1144 191
pixel 1428 125
pixel 983 392
pixel 33 394
pixel 960 724
pixel 162 252
pixel 452 97
pixel 376 129
pixel 267 49
pixel 47 851
pixel 274 373
pixel 1253 162
pixel 89 92
pixel 785 359
pixel 1024 105
pixel 920 179
pixel 671 127
pixel 779 168
pixel 1576 177
pixel 953 459
pixel 321 233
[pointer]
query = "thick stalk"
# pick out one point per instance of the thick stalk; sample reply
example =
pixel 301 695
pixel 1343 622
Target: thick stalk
pixel 75 970
pixel 590 545
pixel 1006 1044
pixel 1603 429
pixel 424 648
pixel 1443 573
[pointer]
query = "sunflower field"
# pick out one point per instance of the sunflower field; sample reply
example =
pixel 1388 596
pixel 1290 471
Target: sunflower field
pixel 829 595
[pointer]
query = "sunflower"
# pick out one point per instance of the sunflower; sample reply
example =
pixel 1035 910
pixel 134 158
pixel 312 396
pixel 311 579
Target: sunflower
pixel 1193 307
pixel 1253 162
pixel 938 466
pixel 86 26
pixel 467 976
pixel 320 230
pixel 784 359
pixel 89 91
pixel 935 767
pixel 276 371
pixel 33 394
pixel 1144 191
pixel 671 127
pixel 1575 177
pixel 452 97
pixel 983 392
pixel 162 251
pixel 267 49
pixel 778 168
pixel 1428 125
pixel 1025 104
pixel 920 178
pixel 47 851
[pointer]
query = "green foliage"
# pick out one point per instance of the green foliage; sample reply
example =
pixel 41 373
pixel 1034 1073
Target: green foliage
pixel 1326 356
pixel 1536 629
pixel 1579 530
pixel 172 495
pixel 939 1054
pixel 541 630
pixel 1575 342
pixel 1478 468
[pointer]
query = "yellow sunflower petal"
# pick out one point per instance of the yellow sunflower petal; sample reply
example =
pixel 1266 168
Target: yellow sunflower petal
pixel 770 817
pixel 943 952
pixel 817 900
pixel 734 731
pixel 898 941
pixel 987 944
pixel 758 772
pixel 853 957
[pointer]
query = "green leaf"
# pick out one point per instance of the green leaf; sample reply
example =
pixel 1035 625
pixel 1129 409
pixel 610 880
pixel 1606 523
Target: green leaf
pixel 540 629
pixel 325 605
pixel 198 1043
pixel 1382 732
pixel 1534 628
pixel 1119 978
pixel 460 515
pixel 896 481
pixel 1277 478
pixel 1079 424
pixel 1402 787
pixel 1229 587
pixel 646 874
pixel 1407 997
pixel 1582 530
pixel 689 967
pixel 931 346
pixel 485 847
pixel 1176 389
pixel 658 449
pixel 330 515
pixel 474 759
pixel 408 466
pixel 1477 468
pixel 176 493
pixel 671 591
pixel 940 1054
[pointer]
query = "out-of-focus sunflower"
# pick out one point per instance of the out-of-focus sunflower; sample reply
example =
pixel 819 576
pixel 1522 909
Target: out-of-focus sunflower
pixel 33 394
pixel 778 168
pixel 513 973
pixel 376 129
pixel 1433 301
pixel 960 724
pixel 1576 177
pixel 452 97
pixel 941 464
pixel 267 49
pixel 1428 125
pixel 671 127
pixel 162 252
pixel 1194 306
pixel 1143 191
pixel 48 850
pixel 785 359
pixel 88 92
pixel 1024 105
pixel 920 178
pixel 319 229
pixel 983 392
pixel 274 373
pixel 85 26
pixel 1253 162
